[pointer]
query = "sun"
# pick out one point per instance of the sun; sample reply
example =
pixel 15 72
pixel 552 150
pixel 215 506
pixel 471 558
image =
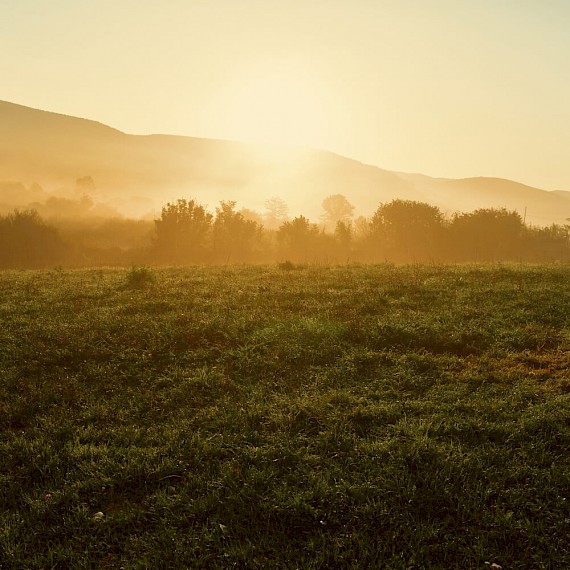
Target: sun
pixel 277 105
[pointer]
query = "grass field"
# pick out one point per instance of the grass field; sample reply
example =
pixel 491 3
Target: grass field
pixel 285 417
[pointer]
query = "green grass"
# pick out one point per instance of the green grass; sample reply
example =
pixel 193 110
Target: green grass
pixel 257 417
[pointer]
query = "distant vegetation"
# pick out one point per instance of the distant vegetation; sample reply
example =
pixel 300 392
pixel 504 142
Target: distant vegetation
pixel 138 174
pixel 27 241
pixel 285 417
pixel 78 233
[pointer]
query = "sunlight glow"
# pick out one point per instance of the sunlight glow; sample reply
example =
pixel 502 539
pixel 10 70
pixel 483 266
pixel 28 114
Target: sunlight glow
pixel 277 105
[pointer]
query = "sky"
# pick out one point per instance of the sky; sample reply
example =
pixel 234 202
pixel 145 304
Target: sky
pixel 447 88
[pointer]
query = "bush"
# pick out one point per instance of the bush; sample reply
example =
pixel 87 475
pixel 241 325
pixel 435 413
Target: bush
pixel 139 277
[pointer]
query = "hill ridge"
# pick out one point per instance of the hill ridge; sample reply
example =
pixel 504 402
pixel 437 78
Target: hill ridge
pixel 137 173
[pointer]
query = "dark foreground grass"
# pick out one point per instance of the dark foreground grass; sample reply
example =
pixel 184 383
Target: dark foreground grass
pixel 350 417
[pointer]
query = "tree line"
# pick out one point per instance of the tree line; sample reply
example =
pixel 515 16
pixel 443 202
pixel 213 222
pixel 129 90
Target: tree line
pixel 401 231
pixel 186 232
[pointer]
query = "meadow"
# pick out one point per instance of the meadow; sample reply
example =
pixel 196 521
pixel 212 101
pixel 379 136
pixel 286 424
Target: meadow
pixel 285 416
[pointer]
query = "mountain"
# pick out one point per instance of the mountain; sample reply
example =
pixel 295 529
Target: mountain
pixel 139 174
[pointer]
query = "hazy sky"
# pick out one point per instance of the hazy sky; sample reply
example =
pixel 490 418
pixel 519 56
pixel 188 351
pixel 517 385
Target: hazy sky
pixel 450 88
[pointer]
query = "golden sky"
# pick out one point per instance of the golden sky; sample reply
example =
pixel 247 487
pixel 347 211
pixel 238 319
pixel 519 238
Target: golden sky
pixel 449 88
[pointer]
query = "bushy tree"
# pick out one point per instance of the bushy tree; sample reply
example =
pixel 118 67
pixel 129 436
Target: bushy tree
pixel 183 232
pixel 487 234
pixel 406 230
pixel 26 241
pixel 298 240
pixel 234 238
pixel 547 244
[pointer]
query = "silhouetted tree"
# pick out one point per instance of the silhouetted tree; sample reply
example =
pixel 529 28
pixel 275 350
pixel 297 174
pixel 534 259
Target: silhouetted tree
pixel 234 238
pixel 487 234
pixel 337 209
pixel 26 241
pixel 405 230
pixel 183 232
pixel 343 239
pixel 546 244
pixel 298 240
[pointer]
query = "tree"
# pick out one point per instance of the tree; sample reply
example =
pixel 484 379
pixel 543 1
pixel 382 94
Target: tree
pixel 234 238
pixel 183 232
pixel 26 241
pixel 337 209
pixel 252 215
pixel 405 230
pixel 343 239
pixel 487 234
pixel 82 207
pixel 298 239
pixel 277 212
pixel 546 244
pixel 85 186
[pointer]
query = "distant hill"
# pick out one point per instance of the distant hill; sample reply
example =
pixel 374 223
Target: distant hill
pixel 138 174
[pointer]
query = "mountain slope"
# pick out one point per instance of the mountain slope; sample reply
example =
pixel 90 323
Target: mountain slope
pixel 140 173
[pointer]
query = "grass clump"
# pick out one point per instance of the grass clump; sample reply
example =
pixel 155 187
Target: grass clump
pixel 139 277
pixel 288 265
pixel 338 417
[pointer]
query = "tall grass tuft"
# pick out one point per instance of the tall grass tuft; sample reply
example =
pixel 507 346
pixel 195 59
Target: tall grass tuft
pixel 139 277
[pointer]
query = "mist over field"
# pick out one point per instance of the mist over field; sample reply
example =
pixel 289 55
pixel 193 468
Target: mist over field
pixel 105 197
pixel 284 284
pixel 45 154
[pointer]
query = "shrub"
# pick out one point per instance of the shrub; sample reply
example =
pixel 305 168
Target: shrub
pixel 139 277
